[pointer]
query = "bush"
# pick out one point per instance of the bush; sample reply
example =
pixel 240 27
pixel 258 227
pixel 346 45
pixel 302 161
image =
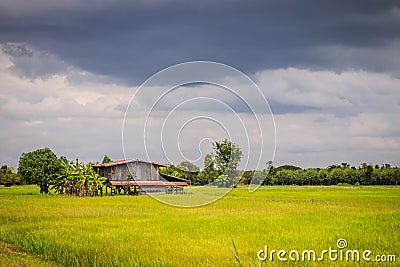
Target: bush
pixel 343 184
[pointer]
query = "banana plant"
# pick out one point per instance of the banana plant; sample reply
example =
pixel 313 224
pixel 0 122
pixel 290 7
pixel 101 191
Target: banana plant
pixel 77 179
pixel 61 183
pixel 96 182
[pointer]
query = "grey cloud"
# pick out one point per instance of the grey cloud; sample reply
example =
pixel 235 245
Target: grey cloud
pixel 281 108
pixel 132 40
pixel 330 67
pixel 320 119
pixel 31 64
pixel 385 57
pixel 17 50
pixel 344 94
pixel 314 139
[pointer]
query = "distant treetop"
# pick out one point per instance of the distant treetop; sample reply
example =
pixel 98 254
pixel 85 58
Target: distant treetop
pixel 106 159
pixel 288 167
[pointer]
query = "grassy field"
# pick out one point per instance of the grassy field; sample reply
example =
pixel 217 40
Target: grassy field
pixel 38 230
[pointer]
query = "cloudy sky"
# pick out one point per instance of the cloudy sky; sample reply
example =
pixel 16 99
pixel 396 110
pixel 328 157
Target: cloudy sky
pixel 330 71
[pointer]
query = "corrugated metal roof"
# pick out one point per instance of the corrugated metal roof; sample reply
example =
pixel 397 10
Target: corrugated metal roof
pixel 112 163
pixel 124 161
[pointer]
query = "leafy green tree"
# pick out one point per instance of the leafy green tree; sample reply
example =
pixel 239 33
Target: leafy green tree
pixel 287 167
pixel 345 165
pixel 308 177
pixel 209 162
pixel 201 178
pixel 270 178
pixel 260 176
pixel 336 175
pixel 293 177
pixel 227 156
pixel 395 179
pixel 173 170
pixel 190 169
pixel 222 181
pixel 8 177
pixel 376 176
pixel 209 173
pixel 366 174
pixel 106 159
pixel 281 176
pixel 385 175
pixel 39 167
pixel 348 176
pixel 248 176
pixel 323 177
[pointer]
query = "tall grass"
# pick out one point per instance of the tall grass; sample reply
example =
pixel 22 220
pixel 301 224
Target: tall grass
pixel 140 231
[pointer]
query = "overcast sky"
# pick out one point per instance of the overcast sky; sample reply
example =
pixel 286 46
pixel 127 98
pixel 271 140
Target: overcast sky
pixel 330 71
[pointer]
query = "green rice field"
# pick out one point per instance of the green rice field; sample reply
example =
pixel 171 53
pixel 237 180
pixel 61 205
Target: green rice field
pixel 45 230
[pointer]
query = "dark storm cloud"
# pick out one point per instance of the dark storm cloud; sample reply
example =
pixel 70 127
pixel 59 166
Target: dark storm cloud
pixel 30 64
pixel 133 40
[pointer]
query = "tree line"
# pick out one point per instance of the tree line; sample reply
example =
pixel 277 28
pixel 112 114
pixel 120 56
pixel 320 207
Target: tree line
pixel 339 174
pixel 8 177
pixel 43 168
pixel 221 169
